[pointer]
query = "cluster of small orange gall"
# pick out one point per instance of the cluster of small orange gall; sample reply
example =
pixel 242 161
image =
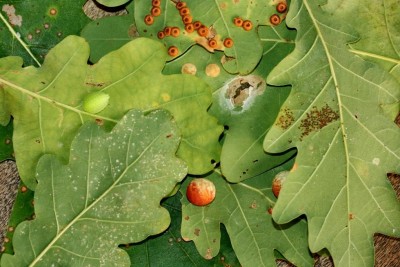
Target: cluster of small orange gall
pixel 247 25
pixel 190 26
pixel 155 12
pixel 276 19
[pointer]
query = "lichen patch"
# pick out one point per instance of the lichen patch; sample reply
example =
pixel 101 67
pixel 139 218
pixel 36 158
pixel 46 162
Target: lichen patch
pixel 14 19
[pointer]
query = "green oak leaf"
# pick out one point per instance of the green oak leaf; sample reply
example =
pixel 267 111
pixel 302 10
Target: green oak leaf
pixel 46 102
pixel 346 144
pixel 218 17
pixel 244 210
pixel 6 146
pixel 169 249
pixel 108 194
pixel 378 21
pixel 31 28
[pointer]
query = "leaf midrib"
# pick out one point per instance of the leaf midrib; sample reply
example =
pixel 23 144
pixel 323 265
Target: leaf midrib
pixel 340 105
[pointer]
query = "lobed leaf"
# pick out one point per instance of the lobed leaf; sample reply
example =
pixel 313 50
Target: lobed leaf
pixel 346 144
pixel 46 102
pixel 244 210
pixel 108 194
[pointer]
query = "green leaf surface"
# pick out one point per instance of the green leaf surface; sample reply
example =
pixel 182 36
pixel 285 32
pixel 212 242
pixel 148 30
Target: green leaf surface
pixel 346 144
pixel 218 17
pixel 169 249
pixel 378 25
pixel 108 194
pixel 46 102
pixel 22 210
pixel 107 34
pixel 30 28
pixel 6 146
pixel 243 209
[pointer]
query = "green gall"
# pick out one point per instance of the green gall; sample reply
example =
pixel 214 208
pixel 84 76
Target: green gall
pixel 95 102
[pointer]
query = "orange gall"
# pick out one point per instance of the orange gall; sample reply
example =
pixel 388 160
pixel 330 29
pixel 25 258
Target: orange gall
pixel 200 192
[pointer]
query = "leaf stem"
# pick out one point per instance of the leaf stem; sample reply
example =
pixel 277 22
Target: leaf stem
pixel 18 37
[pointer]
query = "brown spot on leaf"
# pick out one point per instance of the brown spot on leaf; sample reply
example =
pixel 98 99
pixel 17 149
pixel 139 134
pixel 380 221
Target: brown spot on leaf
pixel 316 119
pixel 269 210
pixel 197 231
pixel 53 11
pixel 285 119
pixel 186 218
pixel 132 31
pixel 225 59
pixel 14 19
pixel 11 229
pixel 7 141
pixel 253 205
pixel 99 122
pixel 208 255
pixel 351 216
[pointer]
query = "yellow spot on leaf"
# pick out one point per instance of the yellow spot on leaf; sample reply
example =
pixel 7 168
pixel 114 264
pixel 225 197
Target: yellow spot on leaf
pixel 166 97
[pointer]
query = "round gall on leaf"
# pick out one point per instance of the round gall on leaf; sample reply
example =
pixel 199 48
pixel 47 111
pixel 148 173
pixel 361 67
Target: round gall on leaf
pixel 95 102
pixel 200 192
pixel 149 19
pixel 275 19
pixel 281 7
pixel 278 182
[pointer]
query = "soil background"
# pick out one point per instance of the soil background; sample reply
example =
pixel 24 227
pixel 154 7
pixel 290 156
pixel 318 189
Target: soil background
pixel 387 249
